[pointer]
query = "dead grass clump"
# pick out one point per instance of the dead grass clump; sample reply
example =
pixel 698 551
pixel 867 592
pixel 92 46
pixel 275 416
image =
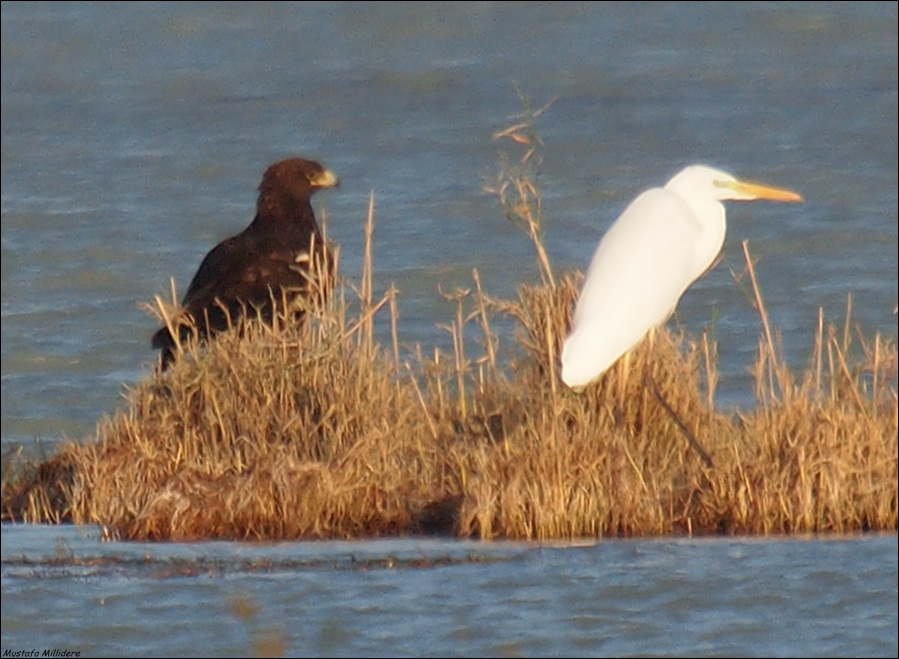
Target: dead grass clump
pixel 611 461
pixel 824 456
pixel 314 430
pixel 38 489
pixel 303 432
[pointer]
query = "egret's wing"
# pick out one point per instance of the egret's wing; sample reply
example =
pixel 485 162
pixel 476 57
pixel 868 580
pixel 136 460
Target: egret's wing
pixel 641 268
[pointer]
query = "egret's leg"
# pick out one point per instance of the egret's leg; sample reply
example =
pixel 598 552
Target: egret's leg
pixel 624 365
pixel 654 387
pixel 650 344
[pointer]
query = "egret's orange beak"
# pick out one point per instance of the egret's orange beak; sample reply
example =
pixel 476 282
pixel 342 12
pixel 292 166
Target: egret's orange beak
pixel 759 191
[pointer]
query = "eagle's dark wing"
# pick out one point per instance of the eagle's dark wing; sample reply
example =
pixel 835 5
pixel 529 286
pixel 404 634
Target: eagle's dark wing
pixel 246 271
pixel 242 274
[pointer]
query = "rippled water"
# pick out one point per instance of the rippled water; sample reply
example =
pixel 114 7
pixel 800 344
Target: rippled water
pixel 723 597
pixel 134 135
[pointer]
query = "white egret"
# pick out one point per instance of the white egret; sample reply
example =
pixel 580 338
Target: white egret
pixel 666 239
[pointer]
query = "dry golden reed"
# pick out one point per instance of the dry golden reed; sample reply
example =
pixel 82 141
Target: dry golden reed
pixel 317 431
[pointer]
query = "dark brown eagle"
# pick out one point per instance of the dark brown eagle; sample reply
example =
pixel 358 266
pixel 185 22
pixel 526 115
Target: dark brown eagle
pixel 270 261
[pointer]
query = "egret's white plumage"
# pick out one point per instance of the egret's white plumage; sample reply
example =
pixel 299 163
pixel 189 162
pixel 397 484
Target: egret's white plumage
pixel 664 241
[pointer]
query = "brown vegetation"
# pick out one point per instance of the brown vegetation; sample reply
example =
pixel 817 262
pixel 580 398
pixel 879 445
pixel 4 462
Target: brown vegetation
pixel 316 431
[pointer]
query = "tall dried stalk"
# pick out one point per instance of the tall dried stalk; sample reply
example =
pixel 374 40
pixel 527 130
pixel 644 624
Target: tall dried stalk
pixel 517 184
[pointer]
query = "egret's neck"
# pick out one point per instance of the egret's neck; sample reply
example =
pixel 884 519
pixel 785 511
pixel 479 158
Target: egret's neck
pixel 713 223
